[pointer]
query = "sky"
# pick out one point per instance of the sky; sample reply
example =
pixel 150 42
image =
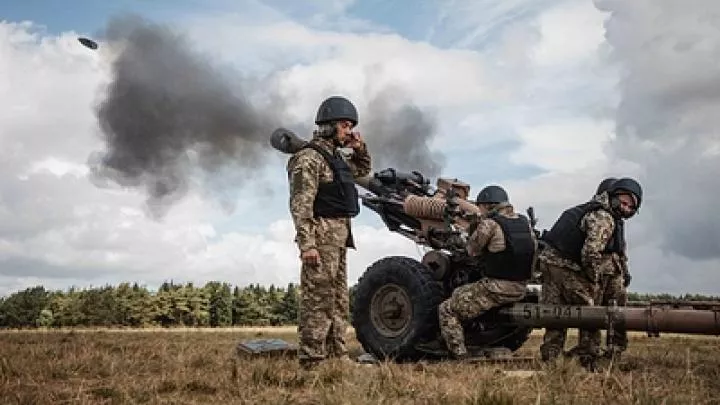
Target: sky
pixel 544 97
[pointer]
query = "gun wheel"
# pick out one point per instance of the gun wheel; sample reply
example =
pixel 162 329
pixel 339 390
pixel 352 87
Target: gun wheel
pixel 395 307
pixel 391 310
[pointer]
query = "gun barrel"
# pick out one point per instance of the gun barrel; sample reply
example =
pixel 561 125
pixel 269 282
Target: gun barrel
pixel 649 319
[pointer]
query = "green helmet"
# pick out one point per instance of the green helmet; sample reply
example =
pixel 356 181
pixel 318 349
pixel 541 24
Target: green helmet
pixel 336 108
pixel 492 195
pixel 625 185
pixel 605 185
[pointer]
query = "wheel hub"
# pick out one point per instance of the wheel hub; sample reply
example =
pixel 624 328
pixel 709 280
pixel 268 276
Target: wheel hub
pixel 391 310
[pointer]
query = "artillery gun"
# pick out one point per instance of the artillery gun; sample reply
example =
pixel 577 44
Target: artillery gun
pixel 395 301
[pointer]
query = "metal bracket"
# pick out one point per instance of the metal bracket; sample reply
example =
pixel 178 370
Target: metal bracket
pixel 652 327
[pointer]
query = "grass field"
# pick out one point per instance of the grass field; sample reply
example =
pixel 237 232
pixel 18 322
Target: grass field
pixel 200 367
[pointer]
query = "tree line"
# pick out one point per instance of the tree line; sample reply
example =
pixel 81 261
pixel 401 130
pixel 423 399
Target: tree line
pixel 216 304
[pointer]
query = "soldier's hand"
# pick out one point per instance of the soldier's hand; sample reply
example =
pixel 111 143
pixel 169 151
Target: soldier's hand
pixel 627 278
pixel 356 141
pixel 311 257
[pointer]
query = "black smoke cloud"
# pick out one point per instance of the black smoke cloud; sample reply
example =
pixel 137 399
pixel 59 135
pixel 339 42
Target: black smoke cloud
pixel 171 120
pixel 399 134
pixel 667 118
pixel 169 110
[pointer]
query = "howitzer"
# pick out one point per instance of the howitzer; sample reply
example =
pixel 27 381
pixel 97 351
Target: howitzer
pixel 395 302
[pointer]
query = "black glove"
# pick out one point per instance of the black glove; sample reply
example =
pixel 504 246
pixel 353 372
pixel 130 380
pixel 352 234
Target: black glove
pixel 627 278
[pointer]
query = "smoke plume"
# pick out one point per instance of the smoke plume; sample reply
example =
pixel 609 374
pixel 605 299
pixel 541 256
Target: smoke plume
pixel 667 118
pixel 172 120
pixel 168 110
pixel 399 134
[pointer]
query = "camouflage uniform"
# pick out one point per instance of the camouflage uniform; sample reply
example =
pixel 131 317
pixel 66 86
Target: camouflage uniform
pixel 566 282
pixel 471 300
pixel 612 287
pixel 324 301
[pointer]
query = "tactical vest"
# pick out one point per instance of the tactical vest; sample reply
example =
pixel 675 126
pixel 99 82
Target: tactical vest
pixel 567 237
pixel 515 262
pixel 338 198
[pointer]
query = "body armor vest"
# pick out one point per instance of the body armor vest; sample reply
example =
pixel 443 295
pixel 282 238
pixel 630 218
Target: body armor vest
pixel 338 198
pixel 516 261
pixel 568 239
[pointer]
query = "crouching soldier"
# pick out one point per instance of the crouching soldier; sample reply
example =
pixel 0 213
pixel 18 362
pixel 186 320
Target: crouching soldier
pixel 505 244
pixel 584 261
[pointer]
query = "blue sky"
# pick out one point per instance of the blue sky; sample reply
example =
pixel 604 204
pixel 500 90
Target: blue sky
pixel 436 22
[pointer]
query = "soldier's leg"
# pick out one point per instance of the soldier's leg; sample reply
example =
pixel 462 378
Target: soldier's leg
pixel 616 291
pixel 315 306
pixel 602 294
pixel 579 290
pixel 554 338
pixel 336 338
pixel 466 302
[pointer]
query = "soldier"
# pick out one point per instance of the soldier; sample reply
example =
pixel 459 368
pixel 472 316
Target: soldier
pixel 506 245
pixel 562 333
pixel 584 249
pixel 613 288
pixel 323 199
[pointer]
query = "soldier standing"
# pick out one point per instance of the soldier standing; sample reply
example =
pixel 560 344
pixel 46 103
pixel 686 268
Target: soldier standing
pixel 323 199
pixel 583 257
pixel 506 244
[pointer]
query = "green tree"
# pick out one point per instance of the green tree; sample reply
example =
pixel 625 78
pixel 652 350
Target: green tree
pixel 221 304
pixel 289 305
pixel 22 308
pixel 45 319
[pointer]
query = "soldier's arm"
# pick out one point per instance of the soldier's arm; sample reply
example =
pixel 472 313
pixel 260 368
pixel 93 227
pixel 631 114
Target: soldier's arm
pixel 304 178
pixel 625 270
pixel 360 161
pixel 598 228
pixel 480 237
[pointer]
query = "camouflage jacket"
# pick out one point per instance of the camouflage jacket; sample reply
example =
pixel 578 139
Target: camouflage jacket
pixel 306 170
pixel 598 226
pixel 487 233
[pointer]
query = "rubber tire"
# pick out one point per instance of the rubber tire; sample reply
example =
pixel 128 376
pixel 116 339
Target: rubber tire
pixel 425 295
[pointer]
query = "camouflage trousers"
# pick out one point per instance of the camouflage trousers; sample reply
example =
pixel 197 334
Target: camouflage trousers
pixel 562 286
pixel 472 300
pixel 323 307
pixel 612 287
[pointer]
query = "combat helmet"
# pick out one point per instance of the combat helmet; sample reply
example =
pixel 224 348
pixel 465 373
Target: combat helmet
pixel 492 195
pixel 627 185
pixel 605 185
pixel 336 108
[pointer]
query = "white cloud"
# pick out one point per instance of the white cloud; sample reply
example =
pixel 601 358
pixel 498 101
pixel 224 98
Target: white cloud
pixel 564 146
pixel 361 65
pixel 570 32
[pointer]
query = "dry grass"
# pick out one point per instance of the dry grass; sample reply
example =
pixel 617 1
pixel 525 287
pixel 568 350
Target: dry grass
pixel 199 368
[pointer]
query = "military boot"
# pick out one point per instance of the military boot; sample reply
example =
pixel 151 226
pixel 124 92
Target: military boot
pixel 435 347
